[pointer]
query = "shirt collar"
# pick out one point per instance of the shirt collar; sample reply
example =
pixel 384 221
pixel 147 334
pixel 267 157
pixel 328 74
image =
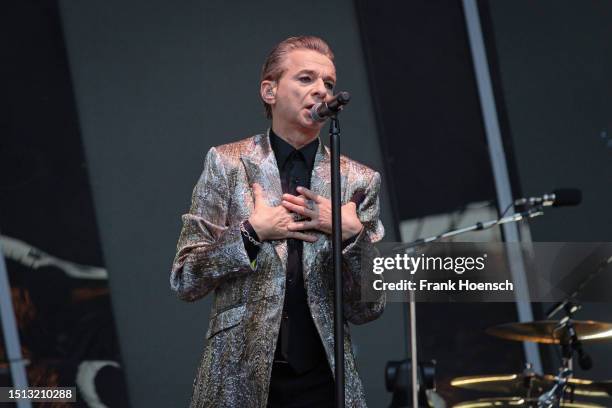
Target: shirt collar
pixel 282 150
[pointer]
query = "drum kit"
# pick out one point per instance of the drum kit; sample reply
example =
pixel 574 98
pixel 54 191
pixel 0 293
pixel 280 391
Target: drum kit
pixel 530 389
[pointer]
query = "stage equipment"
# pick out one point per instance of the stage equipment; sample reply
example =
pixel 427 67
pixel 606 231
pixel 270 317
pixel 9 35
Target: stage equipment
pixel 529 384
pixel 398 379
pixel 530 208
pixel 334 141
pixel 548 391
pixel 518 402
pixel 569 334
pixel 323 110
pixel 552 331
pixel 558 198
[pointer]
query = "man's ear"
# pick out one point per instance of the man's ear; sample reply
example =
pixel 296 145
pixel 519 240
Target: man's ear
pixel 267 90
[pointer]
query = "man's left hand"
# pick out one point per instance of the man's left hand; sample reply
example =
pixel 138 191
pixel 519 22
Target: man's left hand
pixel 317 210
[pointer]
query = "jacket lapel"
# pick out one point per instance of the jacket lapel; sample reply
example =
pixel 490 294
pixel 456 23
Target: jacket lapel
pixel 320 179
pixel 260 167
pixel 320 184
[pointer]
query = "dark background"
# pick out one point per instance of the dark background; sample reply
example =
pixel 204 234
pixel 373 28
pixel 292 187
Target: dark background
pixel 152 85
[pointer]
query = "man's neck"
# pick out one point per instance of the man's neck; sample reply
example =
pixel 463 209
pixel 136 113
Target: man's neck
pixel 297 138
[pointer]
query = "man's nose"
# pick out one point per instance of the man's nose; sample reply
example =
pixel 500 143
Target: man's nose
pixel 320 89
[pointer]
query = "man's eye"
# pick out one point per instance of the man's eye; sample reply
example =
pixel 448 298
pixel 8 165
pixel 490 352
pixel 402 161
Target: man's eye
pixel 329 85
pixel 304 79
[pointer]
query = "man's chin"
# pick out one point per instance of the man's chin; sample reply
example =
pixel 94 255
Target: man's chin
pixel 312 124
pixel 313 127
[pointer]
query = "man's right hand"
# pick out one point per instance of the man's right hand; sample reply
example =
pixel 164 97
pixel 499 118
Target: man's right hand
pixel 271 223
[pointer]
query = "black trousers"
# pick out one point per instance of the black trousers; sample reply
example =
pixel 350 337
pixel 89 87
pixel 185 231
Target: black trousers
pixel 314 388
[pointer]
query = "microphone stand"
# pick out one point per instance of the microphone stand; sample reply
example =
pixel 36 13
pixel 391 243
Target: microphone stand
pixel 334 136
pixel 527 213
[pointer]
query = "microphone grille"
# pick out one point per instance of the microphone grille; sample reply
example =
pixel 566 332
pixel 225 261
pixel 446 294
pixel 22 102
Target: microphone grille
pixel 314 112
pixel 567 197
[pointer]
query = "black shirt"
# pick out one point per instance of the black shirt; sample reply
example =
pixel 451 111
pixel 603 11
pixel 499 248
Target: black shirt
pixel 299 343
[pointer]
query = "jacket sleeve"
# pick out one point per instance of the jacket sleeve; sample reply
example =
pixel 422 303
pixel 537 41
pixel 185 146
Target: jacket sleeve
pixel 357 282
pixel 209 250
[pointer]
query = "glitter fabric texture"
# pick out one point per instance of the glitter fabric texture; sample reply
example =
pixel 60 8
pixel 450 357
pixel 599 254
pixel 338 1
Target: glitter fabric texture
pixel 244 322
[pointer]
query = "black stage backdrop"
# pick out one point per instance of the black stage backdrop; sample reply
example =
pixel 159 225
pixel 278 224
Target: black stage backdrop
pixel 434 146
pixel 49 238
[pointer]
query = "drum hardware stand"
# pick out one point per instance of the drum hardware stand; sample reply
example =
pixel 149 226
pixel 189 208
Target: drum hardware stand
pixel 553 397
pixel 570 344
pixel 529 374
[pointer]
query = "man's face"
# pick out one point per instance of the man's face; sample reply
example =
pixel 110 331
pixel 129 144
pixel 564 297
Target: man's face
pixel 309 78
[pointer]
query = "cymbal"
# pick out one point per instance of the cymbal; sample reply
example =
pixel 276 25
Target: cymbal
pixel 523 383
pixel 547 331
pixel 518 402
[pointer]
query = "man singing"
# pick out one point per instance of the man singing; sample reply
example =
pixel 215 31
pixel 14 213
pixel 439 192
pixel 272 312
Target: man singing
pixel 258 234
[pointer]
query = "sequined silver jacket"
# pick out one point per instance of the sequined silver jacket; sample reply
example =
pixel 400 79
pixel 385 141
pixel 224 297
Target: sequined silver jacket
pixel 245 318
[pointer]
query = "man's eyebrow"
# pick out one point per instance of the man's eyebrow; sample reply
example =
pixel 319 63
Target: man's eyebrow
pixel 314 73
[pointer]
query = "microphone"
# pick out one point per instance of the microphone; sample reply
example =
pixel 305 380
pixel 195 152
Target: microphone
pixel 558 198
pixel 323 110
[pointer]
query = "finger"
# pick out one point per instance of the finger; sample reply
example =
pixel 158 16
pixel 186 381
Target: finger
pixel 299 200
pixel 303 236
pixel 307 212
pixel 309 194
pixel 301 225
